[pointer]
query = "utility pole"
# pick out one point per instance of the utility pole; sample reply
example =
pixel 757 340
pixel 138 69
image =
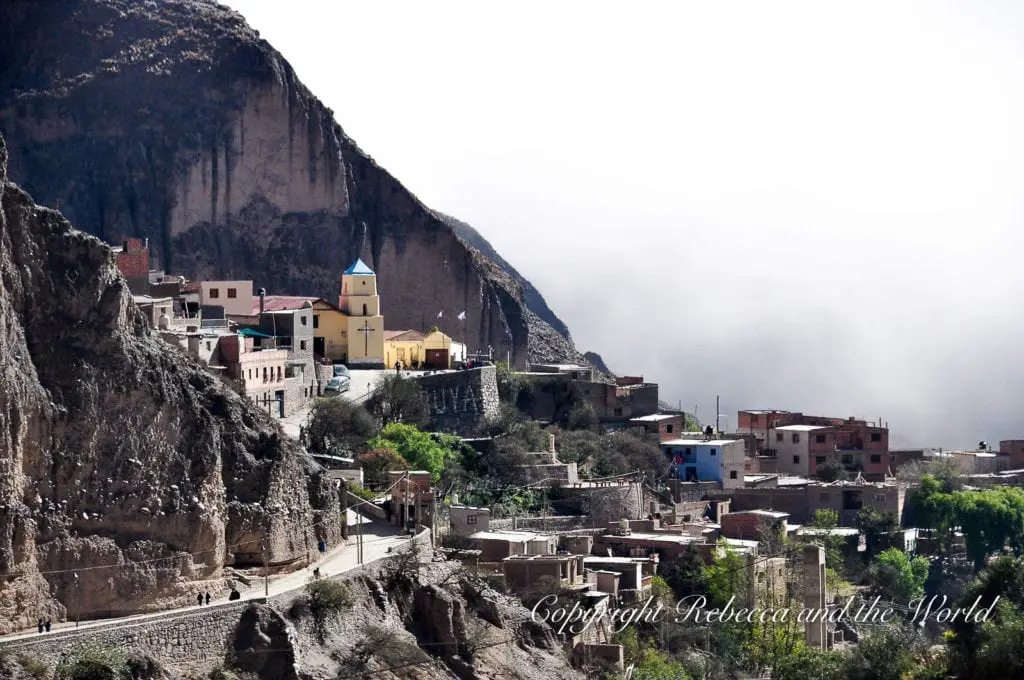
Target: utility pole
pixel 405 504
pixel 718 411
pixel 78 602
pixel 266 565
pixel 359 538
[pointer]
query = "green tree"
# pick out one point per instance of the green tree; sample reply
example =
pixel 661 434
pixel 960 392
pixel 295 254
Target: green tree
pixel 428 451
pixel 509 384
pixel 992 648
pixel 806 664
pixel 830 472
pixel 581 417
pixel 396 399
pixel 890 653
pixel 898 575
pixel 685 574
pixel 377 462
pixel 338 427
pixel 725 577
pixel 874 525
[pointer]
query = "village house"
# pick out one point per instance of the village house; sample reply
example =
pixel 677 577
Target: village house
pixel 754 524
pixel 545 469
pixel 978 462
pixel 412 498
pixel 233 297
pixel 633 573
pixel 665 426
pixel 707 460
pixel 260 368
pixel 527 573
pixel 132 258
pixel 1014 448
pixel 495 546
pixel 466 520
pixel 431 351
pixel 801 501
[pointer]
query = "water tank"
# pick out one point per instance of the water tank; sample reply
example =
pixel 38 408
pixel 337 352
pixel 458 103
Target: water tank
pixel 624 526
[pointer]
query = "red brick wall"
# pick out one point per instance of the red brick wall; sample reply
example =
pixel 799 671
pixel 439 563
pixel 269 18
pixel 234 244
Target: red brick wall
pixel 1015 449
pixel 133 261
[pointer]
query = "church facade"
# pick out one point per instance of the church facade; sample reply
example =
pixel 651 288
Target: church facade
pixel 353 332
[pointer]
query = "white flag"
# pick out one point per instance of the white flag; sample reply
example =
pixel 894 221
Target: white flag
pixel 440 314
pixel 462 316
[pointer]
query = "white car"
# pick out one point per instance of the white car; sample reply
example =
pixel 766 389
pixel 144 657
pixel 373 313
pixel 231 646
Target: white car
pixel 339 384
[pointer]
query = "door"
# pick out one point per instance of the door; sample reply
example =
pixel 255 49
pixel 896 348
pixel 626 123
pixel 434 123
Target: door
pixel 436 359
pixel 279 395
pixel 318 346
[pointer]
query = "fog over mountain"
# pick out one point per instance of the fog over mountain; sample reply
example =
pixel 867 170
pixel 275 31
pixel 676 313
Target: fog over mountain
pixel 793 205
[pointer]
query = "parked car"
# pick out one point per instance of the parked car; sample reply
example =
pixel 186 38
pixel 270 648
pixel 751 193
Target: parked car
pixel 339 384
pixel 341 370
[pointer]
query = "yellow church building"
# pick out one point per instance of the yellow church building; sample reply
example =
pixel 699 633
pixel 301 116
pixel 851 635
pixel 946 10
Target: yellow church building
pixel 353 332
pixel 431 351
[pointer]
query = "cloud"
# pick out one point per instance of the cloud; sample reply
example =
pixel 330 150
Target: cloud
pixel 796 205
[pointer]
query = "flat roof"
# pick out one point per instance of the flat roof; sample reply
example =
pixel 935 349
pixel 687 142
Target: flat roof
pixel 760 513
pixel 742 542
pixel 835 531
pixel 670 538
pixel 800 428
pixel 602 559
pixel 793 481
pixel 522 536
pixel 657 417
pixel 700 442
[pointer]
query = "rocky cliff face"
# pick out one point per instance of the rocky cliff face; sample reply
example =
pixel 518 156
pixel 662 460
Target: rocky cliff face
pixel 172 120
pixel 122 461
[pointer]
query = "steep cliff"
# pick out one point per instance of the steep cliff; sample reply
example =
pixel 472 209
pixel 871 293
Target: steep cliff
pixel 173 120
pixel 127 471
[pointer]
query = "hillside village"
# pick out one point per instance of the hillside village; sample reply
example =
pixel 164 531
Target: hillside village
pixel 554 479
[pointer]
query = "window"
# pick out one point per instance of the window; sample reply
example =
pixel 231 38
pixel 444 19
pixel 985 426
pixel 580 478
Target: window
pixel 470 519
pixel 364 309
pixel 214 293
pixel 303 320
pixel 823 498
pixel 879 497
pixel 778 437
pixel 316 321
pixel 820 460
pixel 753 418
pixel 207 345
pixel 796 460
pixel 876 436
pixel 250 374
pixel 820 438
pixel 732 474
pixel 714 452
pixel 302 344
pixel 847 459
pixel 618 410
pixel 668 429
pixel 796 438
pixel 687 450
pixel 232 293
pixel 264 374
pixel 279 373
pixel 875 458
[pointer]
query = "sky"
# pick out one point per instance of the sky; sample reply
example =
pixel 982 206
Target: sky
pixel 808 206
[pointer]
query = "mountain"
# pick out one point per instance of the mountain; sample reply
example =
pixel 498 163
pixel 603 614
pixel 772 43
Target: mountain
pixel 174 121
pixel 123 461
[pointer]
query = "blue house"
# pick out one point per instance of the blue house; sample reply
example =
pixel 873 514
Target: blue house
pixel 707 460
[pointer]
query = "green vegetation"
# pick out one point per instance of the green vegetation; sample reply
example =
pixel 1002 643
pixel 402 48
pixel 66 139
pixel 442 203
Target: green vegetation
pixel 398 400
pixel 360 491
pixel 428 451
pixel 990 519
pixel 95 663
pixel 376 464
pixel 899 576
pixel 338 427
pixel 875 525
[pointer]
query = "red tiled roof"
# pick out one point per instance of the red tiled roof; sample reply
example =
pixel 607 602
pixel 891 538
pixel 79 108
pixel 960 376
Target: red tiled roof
pixel 404 336
pixel 280 303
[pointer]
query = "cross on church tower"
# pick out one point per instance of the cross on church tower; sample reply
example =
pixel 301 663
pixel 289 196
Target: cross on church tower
pixel 366 330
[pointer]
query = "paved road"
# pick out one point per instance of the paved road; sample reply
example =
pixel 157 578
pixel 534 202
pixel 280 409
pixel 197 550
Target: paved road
pixel 378 538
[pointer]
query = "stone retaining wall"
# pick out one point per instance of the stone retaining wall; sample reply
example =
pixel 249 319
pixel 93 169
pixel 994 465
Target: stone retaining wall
pixel 193 641
pixel 458 401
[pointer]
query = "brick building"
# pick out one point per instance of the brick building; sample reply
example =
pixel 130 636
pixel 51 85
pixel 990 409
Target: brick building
pixel 665 426
pixel 133 263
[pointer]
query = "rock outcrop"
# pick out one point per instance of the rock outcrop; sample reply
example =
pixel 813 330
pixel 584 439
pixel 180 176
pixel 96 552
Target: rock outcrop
pixel 127 470
pixel 174 121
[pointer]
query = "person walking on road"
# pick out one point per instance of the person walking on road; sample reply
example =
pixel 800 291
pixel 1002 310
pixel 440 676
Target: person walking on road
pixel 207 597
pixel 40 626
pixel 199 598
pixel 47 624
